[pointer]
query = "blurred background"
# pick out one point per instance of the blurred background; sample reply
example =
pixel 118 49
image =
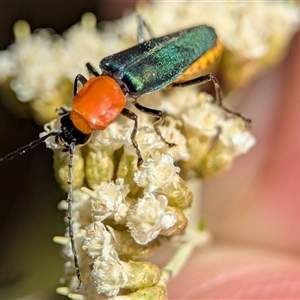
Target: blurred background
pixel 29 217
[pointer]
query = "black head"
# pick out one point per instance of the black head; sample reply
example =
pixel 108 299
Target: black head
pixel 70 134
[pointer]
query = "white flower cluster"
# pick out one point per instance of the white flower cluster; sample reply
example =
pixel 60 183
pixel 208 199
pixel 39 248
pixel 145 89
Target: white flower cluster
pixel 156 174
pixel 210 132
pixel 243 26
pixel 149 215
pixel 108 200
pixel 108 271
pixel 50 59
pixel 209 120
pixel 110 208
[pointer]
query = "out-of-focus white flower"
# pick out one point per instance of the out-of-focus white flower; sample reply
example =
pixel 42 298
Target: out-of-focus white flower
pixel 235 137
pixel 179 101
pixel 7 64
pixel 38 52
pixel 243 26
pixel 204 118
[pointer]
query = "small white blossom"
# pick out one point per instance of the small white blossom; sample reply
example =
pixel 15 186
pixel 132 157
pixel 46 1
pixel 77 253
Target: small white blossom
pixel 235 137
pixel 174 135
pixel 149 217
pixel 110 139
pixel 146 138
pixel 81 208
pixel 204 118
pixel 49 127
pixel 109 273
pixel 157 173
pixel 96 239
pixel 79 235
pixel 82 44
pixel 178 101
pixel 108 199
pixel 39 52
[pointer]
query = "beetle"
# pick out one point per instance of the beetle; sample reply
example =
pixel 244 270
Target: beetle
pixel 125 76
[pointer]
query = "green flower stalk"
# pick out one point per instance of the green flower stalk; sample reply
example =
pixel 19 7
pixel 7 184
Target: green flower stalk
pixel 122 214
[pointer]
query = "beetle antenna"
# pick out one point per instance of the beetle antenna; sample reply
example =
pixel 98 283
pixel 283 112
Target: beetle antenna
pixel 32 145
pixel 69 213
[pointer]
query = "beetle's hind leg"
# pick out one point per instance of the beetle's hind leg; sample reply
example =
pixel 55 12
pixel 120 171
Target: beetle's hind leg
pixel 206 78
pixel 158 114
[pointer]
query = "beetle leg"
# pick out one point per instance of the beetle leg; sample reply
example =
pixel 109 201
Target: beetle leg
pixel 206 78
pixel 201 80
pixel 92 69
pixel 132 116
pixel 141 25
pixel 155 113
pixel 81 79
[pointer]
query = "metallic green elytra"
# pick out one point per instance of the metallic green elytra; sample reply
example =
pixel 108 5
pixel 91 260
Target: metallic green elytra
pixel 154 64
